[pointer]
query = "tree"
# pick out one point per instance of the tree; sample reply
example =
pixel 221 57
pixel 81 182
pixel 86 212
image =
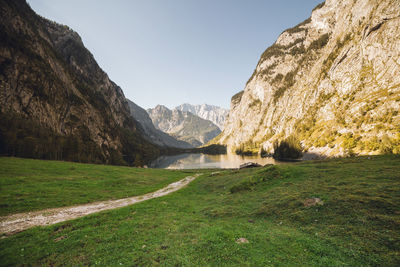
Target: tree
pixel 290 148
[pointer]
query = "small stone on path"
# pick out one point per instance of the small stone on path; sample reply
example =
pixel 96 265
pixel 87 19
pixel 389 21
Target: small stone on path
pixel 60 238
pixel 242 240
pixel 313 201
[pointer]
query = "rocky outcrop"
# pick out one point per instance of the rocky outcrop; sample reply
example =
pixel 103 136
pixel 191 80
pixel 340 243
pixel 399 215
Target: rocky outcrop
pixel 208 112
pixel 151 133
pixel 332 81
pixel 55 101
pixel 183 125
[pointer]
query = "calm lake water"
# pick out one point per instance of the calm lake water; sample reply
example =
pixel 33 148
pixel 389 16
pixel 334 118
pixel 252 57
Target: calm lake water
pixel 201 161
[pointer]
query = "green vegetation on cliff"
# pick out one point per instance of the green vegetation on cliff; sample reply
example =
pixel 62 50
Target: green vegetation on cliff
pixel 23 137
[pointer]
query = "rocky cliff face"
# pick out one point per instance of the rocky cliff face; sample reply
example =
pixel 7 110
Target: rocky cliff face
pixel 208 112
pixel 332 81
pixel 151 133
pixel 52 83
pixel 183 125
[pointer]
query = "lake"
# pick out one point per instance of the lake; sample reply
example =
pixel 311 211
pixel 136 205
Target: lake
pixel 201 161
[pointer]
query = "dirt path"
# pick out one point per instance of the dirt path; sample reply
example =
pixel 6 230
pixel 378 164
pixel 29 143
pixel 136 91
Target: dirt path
pixel 18 222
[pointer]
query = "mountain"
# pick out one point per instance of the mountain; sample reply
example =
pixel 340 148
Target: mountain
pixel 151 133
pixel 332 82
pixel 55 101
pixel 183 125
pixel 208 112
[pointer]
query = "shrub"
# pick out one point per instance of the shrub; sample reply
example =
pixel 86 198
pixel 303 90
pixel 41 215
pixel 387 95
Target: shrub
pixel 274 50
pixel 264 153
pixel 350 141
pixel 279 92
pixel 268 71
pixel 320 5
pixel 372 144
pixel 290 148
pixel 298 27
pixel 320 42
pixel 247 149
pixel 289 78
pixel 214 149
pixel 243 186
pixel 241 150
pixel 237 97
pixel 297 50
pixel 386 146
pixel 264 175
pixel 255 103
pixel 278 78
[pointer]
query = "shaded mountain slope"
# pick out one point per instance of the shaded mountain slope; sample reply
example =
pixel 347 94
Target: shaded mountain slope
pixel 152 134
pixel 55 101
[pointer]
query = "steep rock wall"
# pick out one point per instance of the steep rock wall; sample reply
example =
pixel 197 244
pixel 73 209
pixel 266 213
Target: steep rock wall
pixel 50 81
pixel 332 81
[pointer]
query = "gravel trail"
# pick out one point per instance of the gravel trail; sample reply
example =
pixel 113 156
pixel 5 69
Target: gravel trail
pixel 15 223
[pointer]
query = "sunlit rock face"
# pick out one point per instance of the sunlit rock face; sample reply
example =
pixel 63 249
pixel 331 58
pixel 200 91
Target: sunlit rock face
pixel 332 81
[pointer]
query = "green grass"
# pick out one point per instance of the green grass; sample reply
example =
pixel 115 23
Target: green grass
pixel 27 185
pixel 358 225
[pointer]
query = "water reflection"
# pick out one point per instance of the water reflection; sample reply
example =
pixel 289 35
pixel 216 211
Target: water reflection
pixel 198 161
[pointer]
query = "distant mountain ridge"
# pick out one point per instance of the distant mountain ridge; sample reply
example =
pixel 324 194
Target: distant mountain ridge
pixel 152 134
pixel 208 112
pixel 183 125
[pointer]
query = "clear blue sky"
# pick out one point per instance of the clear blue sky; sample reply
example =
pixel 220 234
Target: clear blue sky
pixel 174 51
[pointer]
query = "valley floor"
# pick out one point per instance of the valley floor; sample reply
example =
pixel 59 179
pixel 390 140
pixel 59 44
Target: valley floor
pixel 30 185
pixel 18 222
pixel 357 223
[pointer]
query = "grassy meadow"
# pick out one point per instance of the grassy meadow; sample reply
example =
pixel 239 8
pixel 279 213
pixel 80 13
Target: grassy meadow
pixel 29 184
pixel 357 225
